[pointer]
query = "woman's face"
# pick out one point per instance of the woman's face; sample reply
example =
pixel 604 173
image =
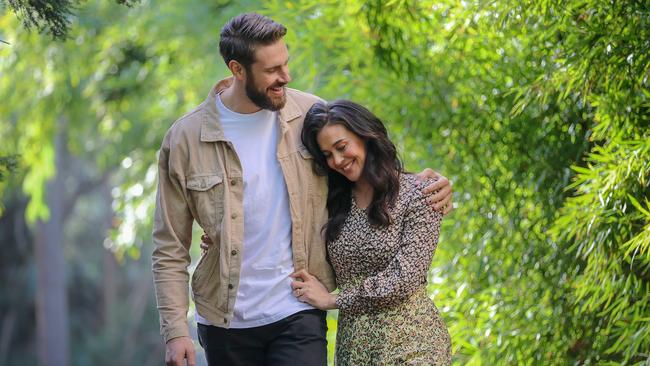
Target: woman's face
pixel 344 150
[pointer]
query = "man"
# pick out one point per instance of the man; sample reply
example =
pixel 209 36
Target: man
pixel 236 165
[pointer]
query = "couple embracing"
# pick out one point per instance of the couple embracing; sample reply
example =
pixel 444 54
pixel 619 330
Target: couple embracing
pixel 297 197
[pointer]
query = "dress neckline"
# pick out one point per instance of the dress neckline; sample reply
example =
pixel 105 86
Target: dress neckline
pixel 356 206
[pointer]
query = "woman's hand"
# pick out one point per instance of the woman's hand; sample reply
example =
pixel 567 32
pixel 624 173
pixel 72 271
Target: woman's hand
pixel 308 289
pixel 206 242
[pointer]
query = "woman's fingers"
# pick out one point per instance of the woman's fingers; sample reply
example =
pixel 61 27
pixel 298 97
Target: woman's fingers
pixel 302 285
pixel 301 294
pixel 301 275
pixel 206 242
pixel 297 284
pixel 206 239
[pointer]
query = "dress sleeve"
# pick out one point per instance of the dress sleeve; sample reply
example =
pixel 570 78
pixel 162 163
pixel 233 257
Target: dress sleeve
pixel 407 271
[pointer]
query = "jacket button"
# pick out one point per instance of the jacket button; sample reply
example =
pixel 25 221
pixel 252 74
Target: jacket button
pixel 225 321
pixel 233 182
pixel 230 286
pixel 233 216
pixel 233 252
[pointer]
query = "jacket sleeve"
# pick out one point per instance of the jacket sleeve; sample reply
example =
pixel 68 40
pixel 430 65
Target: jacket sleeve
pixel 407 271
pixel 172 236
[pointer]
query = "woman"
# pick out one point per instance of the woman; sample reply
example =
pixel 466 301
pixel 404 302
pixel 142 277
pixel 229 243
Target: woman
pixel 381 237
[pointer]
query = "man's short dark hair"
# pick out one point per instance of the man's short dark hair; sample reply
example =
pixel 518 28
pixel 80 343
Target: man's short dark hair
pixel 243 33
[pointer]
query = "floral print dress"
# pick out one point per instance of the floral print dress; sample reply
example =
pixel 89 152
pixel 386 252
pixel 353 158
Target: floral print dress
pixel 385 314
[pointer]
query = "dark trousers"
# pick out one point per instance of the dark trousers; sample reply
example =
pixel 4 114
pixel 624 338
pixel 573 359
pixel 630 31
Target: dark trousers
pixel 296 340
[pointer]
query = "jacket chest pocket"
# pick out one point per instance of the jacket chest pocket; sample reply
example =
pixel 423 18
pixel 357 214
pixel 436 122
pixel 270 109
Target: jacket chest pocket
pixel 207 197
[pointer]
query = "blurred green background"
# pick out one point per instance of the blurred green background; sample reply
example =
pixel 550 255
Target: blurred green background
pixel 538 111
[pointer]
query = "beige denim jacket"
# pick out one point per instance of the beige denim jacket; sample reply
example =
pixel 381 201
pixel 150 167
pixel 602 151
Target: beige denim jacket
pixel 200 178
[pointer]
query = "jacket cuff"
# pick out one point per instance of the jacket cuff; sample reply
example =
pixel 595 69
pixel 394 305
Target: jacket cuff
pixel 175 332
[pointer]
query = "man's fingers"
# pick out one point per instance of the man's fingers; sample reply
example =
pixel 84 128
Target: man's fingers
pixel 177 350
pixel 440 198
pixel 448 209
pixel 444 205
pixel 438 184
pixel 171 360
pixel 427 173
pixel 191 357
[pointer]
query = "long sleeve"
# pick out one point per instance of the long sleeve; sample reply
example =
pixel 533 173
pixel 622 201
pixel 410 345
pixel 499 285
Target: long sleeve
pixel 408 269
pixel 172 235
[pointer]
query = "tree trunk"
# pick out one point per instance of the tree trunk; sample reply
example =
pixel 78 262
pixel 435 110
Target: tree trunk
pixel 51 292
pixel 109 288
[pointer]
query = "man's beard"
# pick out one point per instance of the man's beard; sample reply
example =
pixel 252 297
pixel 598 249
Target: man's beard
pixel 262 100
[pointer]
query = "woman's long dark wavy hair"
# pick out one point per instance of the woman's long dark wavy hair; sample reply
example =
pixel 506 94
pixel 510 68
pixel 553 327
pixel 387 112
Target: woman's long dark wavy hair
pixel 381 169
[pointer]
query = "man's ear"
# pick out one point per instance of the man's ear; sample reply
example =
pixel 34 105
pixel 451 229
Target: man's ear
pixel 237 69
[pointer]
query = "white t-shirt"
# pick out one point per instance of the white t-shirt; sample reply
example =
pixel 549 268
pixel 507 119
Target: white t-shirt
pixel 264 295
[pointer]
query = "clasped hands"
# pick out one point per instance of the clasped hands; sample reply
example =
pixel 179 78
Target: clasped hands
pixel 308 289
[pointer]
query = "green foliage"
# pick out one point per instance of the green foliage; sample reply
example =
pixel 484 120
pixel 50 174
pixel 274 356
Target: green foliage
pixel 96 85
pixel 8 164
pixel 613 244
pixel 50 17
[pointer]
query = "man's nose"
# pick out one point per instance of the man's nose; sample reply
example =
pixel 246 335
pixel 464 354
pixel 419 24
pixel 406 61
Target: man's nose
pixel 285 76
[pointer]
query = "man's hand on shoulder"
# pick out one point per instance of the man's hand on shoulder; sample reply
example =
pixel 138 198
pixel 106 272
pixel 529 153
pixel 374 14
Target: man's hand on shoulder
pixel 224 84
pixel 440 192
pixel 179 349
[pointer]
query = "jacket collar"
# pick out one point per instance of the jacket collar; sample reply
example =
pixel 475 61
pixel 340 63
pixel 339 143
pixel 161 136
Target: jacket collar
pixel 211 130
